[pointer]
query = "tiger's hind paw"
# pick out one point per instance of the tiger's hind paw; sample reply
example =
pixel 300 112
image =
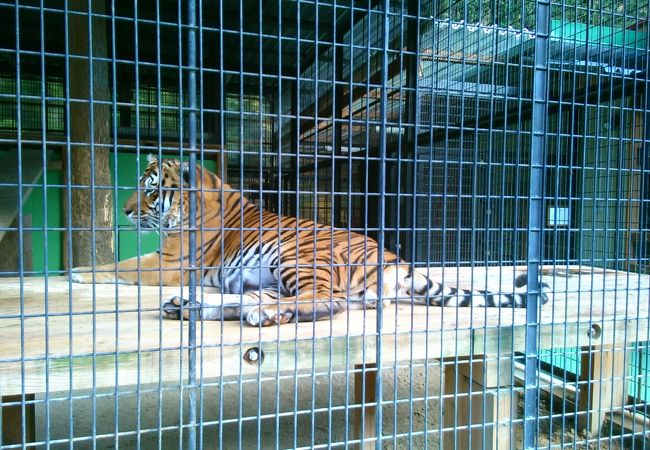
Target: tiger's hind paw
pixel 264 316
pixel 521 280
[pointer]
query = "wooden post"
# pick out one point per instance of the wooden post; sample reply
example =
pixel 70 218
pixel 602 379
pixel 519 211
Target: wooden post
pixel 364 392
pixel 603 387
pixel 85 172
pixel 481 400
pixel 12 420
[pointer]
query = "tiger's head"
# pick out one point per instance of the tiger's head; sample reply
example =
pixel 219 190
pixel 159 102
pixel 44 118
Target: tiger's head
pixel 156 204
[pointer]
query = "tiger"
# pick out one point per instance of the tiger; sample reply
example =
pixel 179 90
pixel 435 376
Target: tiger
pixel 283 269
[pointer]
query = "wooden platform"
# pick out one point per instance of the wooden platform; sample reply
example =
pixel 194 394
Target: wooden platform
pixel 64 336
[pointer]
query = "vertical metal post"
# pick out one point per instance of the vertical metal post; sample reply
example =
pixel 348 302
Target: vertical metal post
pixel 337 112
pixel 535 218
pixel 644 164
pixel 24 396
pixel 295 130
pixel 192 266
pixel 408 220
pixel 382 218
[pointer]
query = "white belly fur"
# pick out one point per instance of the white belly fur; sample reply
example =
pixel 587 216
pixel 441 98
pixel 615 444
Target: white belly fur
pixel 235 278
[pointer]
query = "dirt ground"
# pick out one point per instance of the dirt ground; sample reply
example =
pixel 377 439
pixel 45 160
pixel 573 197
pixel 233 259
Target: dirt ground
pixel 148 417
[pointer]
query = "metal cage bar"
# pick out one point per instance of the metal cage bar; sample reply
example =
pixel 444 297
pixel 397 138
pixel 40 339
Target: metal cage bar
pixel 447 203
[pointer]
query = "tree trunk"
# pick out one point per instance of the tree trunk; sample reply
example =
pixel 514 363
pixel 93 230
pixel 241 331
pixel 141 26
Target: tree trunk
pixel 84 172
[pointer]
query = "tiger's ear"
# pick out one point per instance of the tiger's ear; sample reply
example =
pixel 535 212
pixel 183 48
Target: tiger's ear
pixel 151 158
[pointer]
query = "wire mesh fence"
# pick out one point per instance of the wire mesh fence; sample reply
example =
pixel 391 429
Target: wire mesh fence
pixel 315 224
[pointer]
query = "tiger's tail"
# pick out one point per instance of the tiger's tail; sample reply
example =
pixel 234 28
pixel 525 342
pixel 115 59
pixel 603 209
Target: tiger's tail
pixel 444 295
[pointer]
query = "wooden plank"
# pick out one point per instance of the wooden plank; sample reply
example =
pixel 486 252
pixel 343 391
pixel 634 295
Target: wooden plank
pixel 454 410
pixel 365 382
pixel 100 335
pixel 165 362
pixel 478 404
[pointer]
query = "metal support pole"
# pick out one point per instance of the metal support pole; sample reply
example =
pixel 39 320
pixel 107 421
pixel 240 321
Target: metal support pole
pixel 408 221
pixel 644 165
pixel 191 130
pixel 535 220
pixel 295 131
pixel 338 102
pixel 381 220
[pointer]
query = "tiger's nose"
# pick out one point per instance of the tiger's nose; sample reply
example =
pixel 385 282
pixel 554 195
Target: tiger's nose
pixel 127 210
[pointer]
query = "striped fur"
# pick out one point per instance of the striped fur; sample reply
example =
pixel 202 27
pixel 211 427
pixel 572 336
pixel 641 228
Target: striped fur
pixel 282 268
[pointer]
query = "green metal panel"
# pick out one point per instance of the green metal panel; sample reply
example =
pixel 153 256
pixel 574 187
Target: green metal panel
pixel 639 385
pixel 581 32
pixel 638 367
pixel 565 358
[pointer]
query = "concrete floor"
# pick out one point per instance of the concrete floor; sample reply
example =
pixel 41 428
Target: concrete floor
pixel 160 409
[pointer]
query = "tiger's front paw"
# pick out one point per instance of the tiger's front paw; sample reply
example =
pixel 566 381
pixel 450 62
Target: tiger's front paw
pixel 84 275
pixel 177 307
pixel 264 316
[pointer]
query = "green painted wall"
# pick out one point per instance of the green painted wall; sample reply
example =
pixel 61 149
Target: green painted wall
pixel 129 242
pixel 44 206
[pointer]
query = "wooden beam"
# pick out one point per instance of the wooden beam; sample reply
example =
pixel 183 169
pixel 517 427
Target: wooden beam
pixel 479 404
pixel 365 382
pixel 132 313
pixel 603 388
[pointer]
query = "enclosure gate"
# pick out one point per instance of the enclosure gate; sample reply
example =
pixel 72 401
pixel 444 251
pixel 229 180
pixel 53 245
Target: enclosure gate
pixel 498 148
